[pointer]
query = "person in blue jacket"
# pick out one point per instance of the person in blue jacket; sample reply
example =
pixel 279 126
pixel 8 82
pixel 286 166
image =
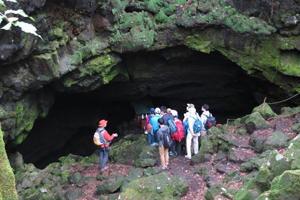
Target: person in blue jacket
pixel 155 126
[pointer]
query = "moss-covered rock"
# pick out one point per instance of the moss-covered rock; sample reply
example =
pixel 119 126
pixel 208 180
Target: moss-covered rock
pixel 126 151
pixel 265 110
pixel 262 179
pixel 111 185
pixel 256 122
pixel 7 178
pixel 158 186
pixel 278 164
pixel 277 140
pixel 293 153
pixel 215 190
pixel 148 156
pixel 134 174
pixel 285 186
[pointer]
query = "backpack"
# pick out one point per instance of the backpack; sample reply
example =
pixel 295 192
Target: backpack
pixel 167 140
pixel 179 135
pixel 185 127
pixel 197 127
pixel 211 121
pixel 98 138
pixel 172 126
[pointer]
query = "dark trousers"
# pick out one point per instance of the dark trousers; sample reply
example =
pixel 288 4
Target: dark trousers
pixel 155 136
pixel 177 147
pixel 104 153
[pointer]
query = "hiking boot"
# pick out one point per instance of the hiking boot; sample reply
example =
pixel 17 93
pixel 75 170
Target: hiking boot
pixel 153 144
pixel 171 153
pixel 188 157
pixel 104 168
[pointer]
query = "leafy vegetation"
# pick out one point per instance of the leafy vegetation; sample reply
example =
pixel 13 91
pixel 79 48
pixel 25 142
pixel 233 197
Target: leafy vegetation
pixel 9 17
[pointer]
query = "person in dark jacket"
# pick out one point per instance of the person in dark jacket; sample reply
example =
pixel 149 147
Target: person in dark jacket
pixel 166 116
pixel 163 152
pixel 104 148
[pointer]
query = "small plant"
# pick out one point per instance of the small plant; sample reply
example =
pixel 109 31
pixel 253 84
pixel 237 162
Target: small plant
pixel 12 20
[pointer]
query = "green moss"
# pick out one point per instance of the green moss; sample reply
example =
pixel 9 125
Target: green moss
pixel 161 16
pixel 21 138
pixel 194 42
pixel 7 179
pixel 19 112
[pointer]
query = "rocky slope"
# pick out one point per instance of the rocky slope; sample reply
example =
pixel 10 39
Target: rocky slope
pixel 254 157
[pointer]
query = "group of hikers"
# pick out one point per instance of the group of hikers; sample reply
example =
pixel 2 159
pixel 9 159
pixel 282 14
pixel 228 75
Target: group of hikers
pixel 166 131
pixel 159 126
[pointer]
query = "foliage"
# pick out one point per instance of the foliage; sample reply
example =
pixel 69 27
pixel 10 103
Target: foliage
pixel 14 21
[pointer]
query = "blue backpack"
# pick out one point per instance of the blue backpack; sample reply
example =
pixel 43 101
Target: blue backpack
pixel 197 127
pixel 185 127
pixel 172 126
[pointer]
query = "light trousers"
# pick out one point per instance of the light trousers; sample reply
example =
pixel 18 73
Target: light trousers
pixel 164 155
pixel 191 141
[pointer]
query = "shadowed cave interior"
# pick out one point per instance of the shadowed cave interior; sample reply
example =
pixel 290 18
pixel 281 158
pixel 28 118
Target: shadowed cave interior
pixel 173 81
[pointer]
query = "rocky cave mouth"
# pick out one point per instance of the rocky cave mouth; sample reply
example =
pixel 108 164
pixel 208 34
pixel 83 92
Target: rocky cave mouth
pixel 174 80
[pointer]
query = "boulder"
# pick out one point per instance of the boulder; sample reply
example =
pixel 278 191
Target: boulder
pixel 293 153
pixel 147 157
pixel 111 185
pixel 265 110
pixel 215 190
pixel 285 186
pixel 277 140
pixel 134 174
pixel 246 167
pixel 152 171
pixel 256 122
pixel 78 179
pixel 277 164
pixel 232 175
pixel 289 111
pixel 262 179
pixel 73 194
pixel 16 161
pixel 159 186
pixel 126 151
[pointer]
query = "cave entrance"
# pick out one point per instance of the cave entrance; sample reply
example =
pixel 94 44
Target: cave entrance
pixel 171 77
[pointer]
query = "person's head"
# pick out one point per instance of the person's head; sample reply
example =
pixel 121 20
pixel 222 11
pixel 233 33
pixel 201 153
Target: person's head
pixel 102 123
pixel 157 111
pixel 152 110
pixel 205 107
pixel 174 113
pixel 161 121
pixel 189 105
pixel 163 110
pixel 169 110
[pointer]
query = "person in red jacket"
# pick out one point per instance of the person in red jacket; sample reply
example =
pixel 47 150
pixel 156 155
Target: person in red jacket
pixel 179 135
pixel 104 148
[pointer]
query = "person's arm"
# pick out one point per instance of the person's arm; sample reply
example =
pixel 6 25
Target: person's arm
pixel 109 137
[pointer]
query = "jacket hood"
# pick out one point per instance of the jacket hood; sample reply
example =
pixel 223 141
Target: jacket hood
pixel 192 111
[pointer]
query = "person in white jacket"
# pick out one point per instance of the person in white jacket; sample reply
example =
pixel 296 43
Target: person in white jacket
pixel 192 138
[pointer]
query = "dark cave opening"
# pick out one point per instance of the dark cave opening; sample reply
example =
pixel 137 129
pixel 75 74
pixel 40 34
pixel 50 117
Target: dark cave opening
pixel 72 120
